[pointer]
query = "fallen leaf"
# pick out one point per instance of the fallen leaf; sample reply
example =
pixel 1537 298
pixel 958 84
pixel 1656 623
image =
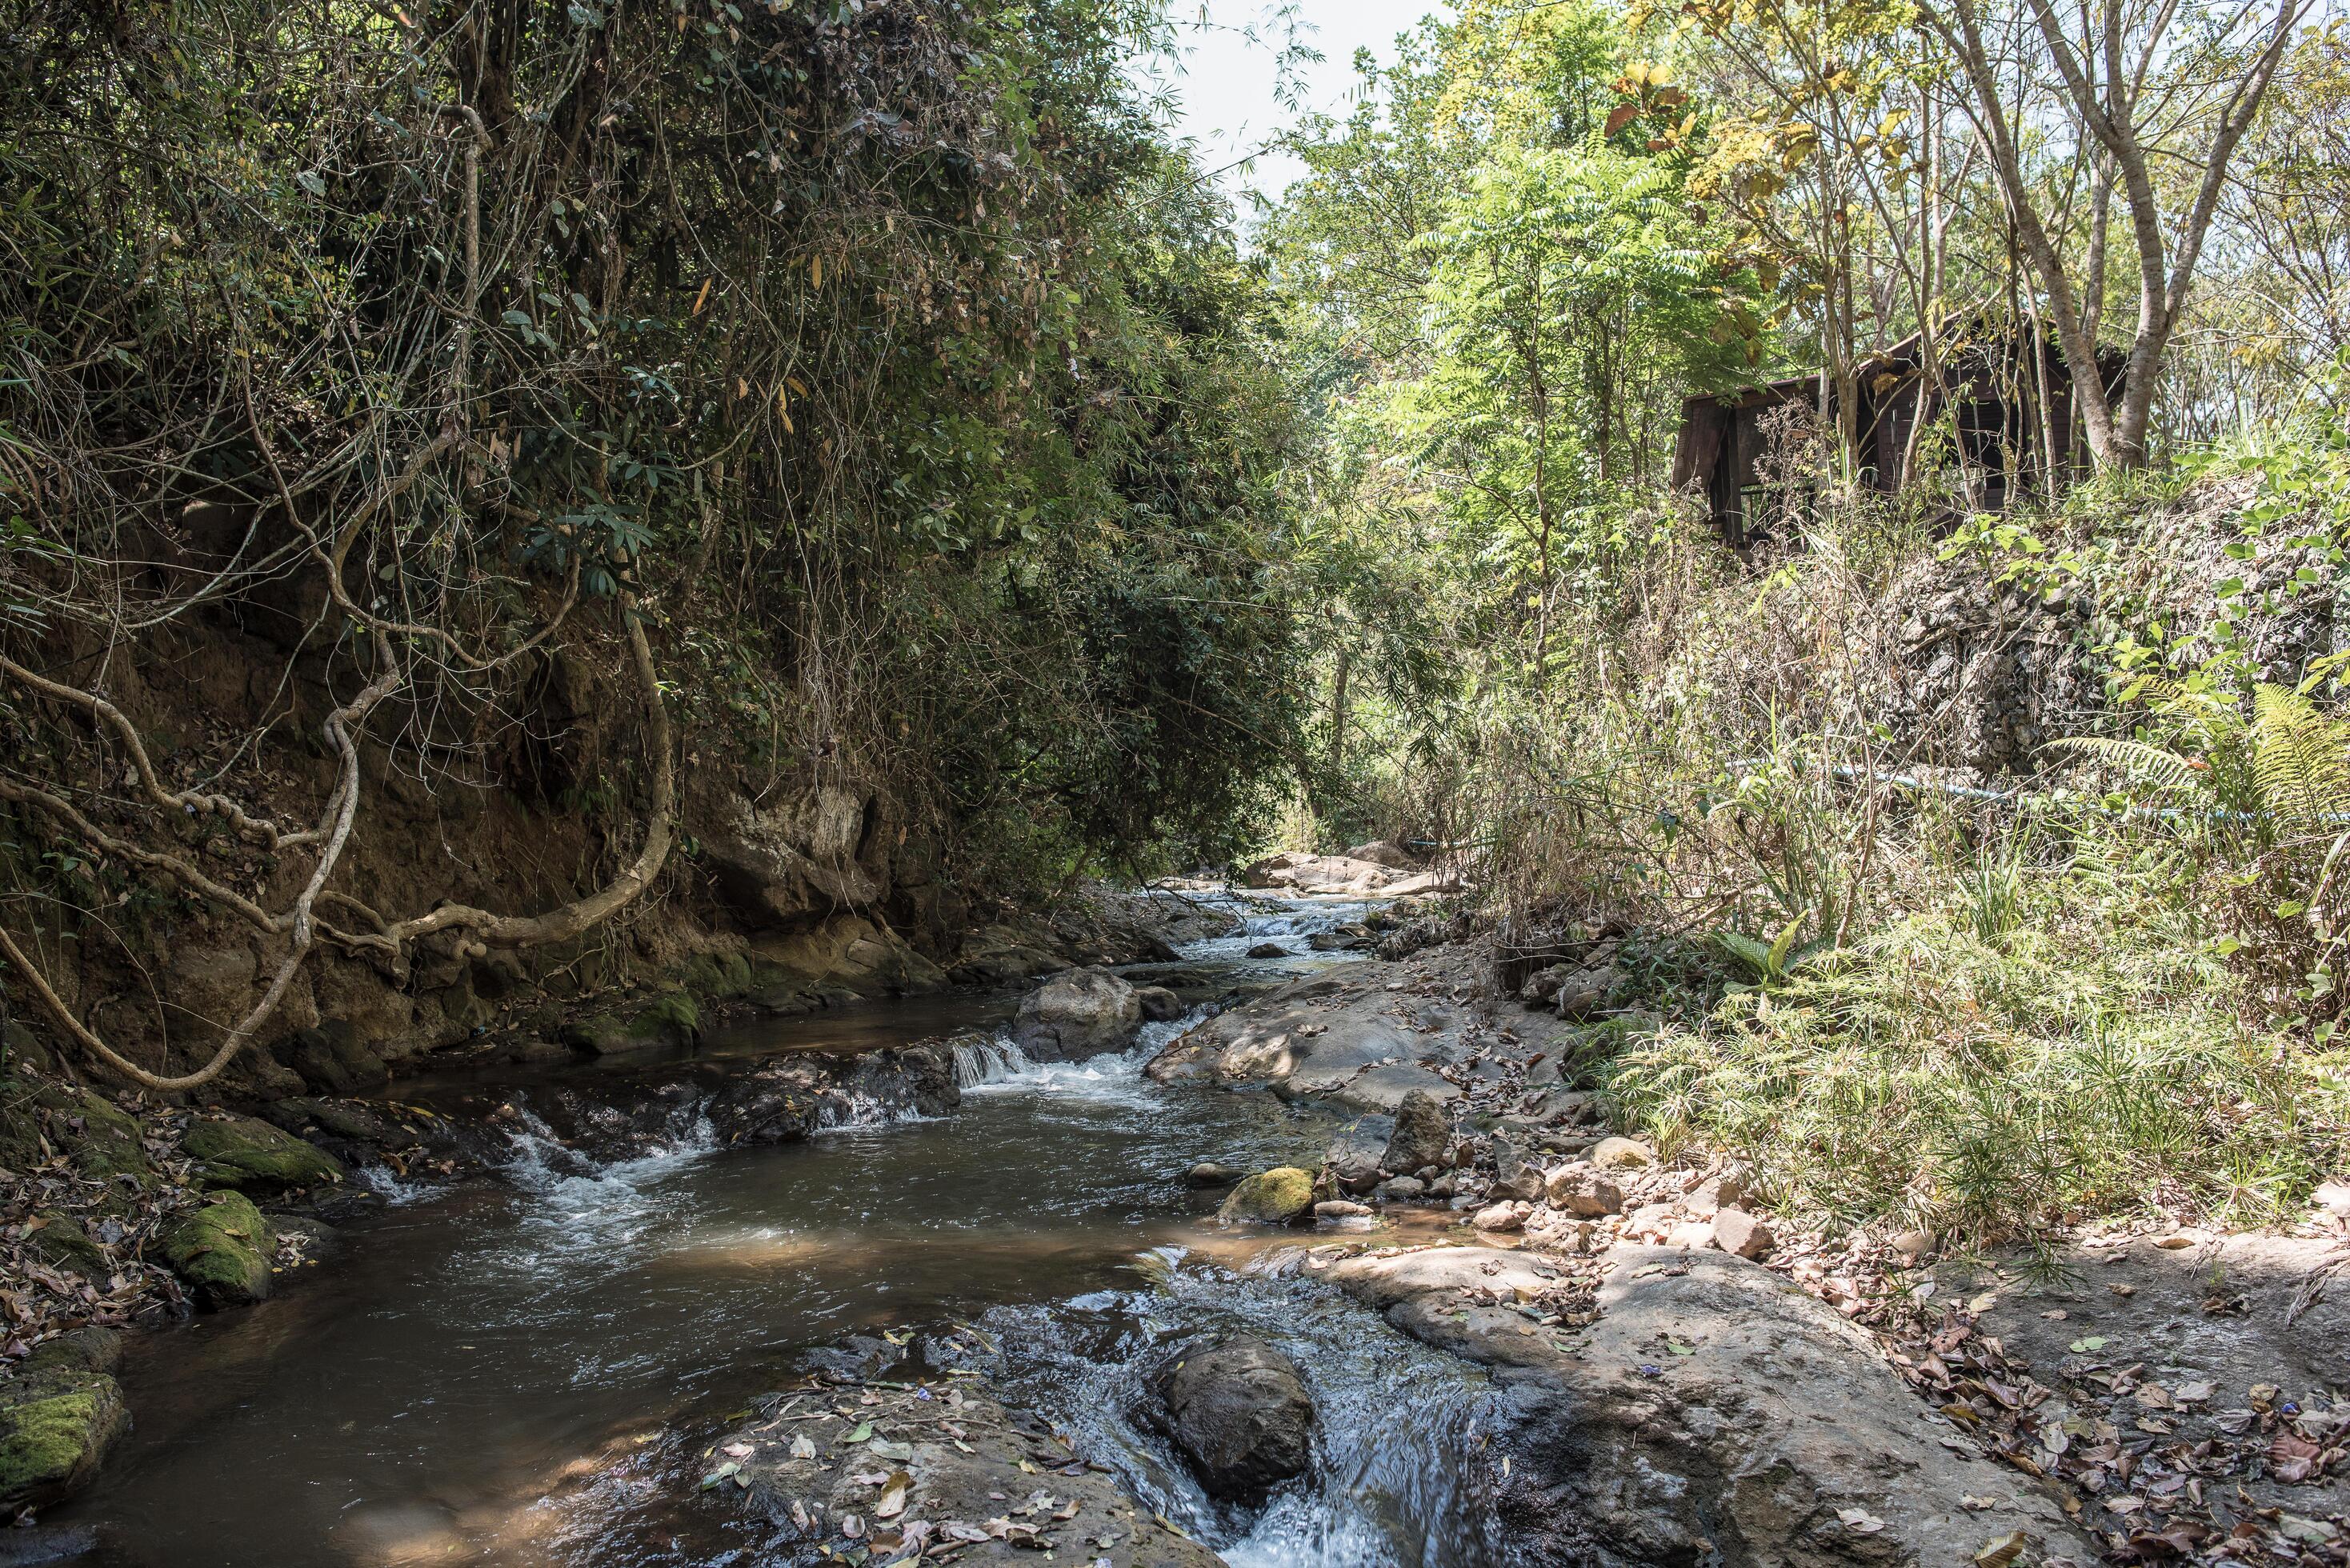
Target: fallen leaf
pixel 893 1496
pixel 2000 1551
pixel 803 1446
pixel 1859 1520
pixel 2084 1347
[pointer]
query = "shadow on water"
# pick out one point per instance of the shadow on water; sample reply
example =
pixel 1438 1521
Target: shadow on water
pixel 524 1373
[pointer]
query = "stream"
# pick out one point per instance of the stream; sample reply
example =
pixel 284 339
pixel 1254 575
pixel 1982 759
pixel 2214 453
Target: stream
pixel 528 1371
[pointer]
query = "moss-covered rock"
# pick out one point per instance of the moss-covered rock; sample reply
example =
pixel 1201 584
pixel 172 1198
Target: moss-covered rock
pixel 253 1157
pixel 62 1244
pixel 721 975
pixel 223 1252
pixel 672 1019
pixel 1281 1195
pixel 56 1425
pixel 102 1139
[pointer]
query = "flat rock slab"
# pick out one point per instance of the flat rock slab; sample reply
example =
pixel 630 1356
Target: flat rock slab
pixel 1364 1036
pixel 837 1468
pixel 1710 1412
pixel 2220 1344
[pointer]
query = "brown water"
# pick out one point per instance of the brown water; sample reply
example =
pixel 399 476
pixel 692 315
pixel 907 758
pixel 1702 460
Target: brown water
pixel 526 1372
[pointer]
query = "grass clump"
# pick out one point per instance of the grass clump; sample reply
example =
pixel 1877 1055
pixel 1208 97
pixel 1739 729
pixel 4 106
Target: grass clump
pixel 2087 1061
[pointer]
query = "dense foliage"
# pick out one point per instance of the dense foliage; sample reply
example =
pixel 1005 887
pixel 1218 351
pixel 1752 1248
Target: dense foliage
pixel 889 352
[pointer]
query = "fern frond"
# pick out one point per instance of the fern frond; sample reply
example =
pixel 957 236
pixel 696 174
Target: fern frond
pixel 2141 761
pixel 2301 757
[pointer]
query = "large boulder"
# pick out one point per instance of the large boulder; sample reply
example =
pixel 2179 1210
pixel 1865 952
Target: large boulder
pixel 58 1415
pixel 224 1251
pixel 1711 1413
pixel 1278 1197
pixel 1422 1134
pixel 1077 1013
pixel 1238 1413
pixel 251 1156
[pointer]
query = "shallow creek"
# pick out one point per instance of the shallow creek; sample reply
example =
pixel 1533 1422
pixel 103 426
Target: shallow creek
pixel 528 1372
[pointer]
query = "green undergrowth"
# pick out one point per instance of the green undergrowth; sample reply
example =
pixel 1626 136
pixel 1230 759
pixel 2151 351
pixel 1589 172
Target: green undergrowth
pixel 2106 983
pixel 2089 1062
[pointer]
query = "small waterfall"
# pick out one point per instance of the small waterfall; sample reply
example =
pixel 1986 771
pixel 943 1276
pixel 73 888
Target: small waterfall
pixel 991 1061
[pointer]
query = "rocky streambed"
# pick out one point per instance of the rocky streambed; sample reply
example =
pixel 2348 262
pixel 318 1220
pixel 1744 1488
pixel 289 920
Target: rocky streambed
pixel 1301 1259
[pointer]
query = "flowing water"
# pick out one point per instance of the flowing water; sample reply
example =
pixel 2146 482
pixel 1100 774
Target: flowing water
pixel 526 1371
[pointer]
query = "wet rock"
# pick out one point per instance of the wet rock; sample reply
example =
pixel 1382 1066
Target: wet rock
pixel 1207 1175
pixel 1341 1208
pixel 1422 1135
pixel 56 1421
pixel 1159 1005
pixel 1238 1413
pixel 1778 1433
pixel 1355 1155
pixel 251 1156
pixel 1400 1189
pixel 223 1251
pixel 1276 1197
pixel 333 1060
pixel 1622 1154
pixel 1268 950
pixel 1076 1014
pixel 1737 1231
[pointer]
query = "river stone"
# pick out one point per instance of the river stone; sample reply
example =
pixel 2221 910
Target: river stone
pixel 56 1421
pixel 254 1157
pixel 1159 1005
pixel 1354 1154
pixel 958 1485
pixel 1781 1423
pixel 1580 1191
pixel 1077 1013
pixel 1238 1413
pixel 1736 1230
pixel 333 1060
pixel 1422 1134
pixel 224 1251
pixel 1276 1197
pixel 1622 1153
pixel 1209 1174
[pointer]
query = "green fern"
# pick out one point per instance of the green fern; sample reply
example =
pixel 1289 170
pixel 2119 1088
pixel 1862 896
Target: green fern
pixel 2300 758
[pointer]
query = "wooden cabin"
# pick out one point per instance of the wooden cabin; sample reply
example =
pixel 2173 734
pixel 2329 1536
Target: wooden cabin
pixel 1989 381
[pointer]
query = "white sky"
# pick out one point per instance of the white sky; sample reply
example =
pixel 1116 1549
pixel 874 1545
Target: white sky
pixel 1226 92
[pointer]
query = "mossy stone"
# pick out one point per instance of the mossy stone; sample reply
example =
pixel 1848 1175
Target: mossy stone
pixel 56 1425
pixel 64 1244
pixel 720 975
pixel 102 1139
pixel 254 1157
pixel 224 1251
pixel 672 1019
pixel 1278 1197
